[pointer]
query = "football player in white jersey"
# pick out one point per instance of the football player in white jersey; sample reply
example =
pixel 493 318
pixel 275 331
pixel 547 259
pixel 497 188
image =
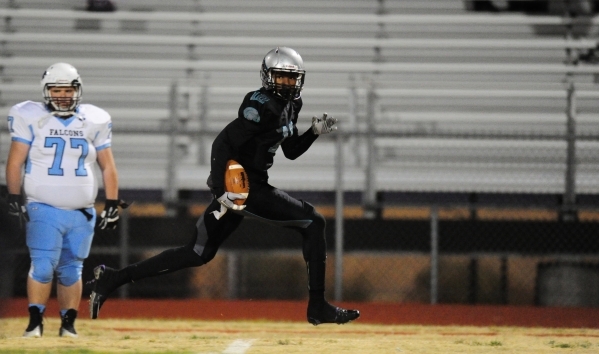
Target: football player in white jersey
pixel 56 144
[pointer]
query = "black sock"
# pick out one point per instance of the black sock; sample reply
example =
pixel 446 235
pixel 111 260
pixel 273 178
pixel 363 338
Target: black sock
pixel 166 262
pixel 316 276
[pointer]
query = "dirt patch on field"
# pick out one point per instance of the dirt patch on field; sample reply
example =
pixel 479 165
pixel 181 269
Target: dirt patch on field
pixel 295 311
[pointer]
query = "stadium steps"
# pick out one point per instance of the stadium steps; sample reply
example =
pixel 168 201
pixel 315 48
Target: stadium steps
pixel 132 82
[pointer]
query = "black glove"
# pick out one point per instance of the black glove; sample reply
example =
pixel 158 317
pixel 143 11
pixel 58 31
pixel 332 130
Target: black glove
pixel 109 219
pixel 17 211
pixel 216 192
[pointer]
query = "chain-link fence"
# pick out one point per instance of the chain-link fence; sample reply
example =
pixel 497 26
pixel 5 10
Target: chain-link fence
pixel 472 254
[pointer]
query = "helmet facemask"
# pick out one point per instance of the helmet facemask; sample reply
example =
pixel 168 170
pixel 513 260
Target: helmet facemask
pixel 287 91
pixel 284 61
pixel 63 106
pixel 62 75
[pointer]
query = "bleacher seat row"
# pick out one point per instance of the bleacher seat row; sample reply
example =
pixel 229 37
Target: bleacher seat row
pixel 445 84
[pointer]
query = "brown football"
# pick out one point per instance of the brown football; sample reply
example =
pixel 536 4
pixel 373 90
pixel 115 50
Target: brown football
pixel 236 180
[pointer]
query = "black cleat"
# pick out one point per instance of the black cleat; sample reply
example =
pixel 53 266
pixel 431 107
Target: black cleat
pixel 102 286
pixel 67 325
pixel 35 329
pixel 324 312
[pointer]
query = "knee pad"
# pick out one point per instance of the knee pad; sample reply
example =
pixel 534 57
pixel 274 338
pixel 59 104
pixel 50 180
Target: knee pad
pixel 42 269
pixel 203 251
pixel 69 273
pixel 318 221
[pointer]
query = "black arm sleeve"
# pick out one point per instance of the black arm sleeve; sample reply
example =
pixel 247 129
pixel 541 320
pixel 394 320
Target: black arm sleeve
pixel 295 146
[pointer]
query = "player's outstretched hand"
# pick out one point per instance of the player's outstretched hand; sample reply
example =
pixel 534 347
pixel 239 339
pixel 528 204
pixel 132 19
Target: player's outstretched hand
pixel 323 125
pixel 17 211
pixel 109 219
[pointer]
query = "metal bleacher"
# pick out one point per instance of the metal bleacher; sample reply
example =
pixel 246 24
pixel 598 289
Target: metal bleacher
pixel 436 69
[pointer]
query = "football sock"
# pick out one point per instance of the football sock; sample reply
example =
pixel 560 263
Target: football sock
pixel 39 306
pixel 316 275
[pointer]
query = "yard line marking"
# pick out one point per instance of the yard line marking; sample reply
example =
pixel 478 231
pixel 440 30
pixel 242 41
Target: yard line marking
pixel 238 347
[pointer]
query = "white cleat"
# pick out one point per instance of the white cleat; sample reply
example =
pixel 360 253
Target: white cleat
pixel 34 333
pixel 63 332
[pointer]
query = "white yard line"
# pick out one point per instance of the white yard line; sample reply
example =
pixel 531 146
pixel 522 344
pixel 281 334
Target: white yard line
pixel 238 347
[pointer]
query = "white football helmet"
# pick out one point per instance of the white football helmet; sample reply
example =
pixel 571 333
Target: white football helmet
pixel 283 59
pixel 64 75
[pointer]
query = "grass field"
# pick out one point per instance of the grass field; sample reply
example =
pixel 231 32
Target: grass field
pixel 238 337
pixel 250 326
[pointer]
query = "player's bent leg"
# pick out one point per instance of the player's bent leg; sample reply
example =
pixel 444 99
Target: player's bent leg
pixel 314 250
pixel 208 236
pixel 107 280
pixel 280 209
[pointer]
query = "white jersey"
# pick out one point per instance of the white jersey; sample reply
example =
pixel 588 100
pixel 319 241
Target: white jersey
pixel 60 166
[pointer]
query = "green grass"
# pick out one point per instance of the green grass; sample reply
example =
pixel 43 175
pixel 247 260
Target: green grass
pixel 475 343
pixel 584 345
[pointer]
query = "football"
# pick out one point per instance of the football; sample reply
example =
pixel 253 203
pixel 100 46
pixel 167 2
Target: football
pixel 236 180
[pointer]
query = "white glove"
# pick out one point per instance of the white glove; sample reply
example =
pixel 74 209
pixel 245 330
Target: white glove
pixel 226 203
pixel 323 125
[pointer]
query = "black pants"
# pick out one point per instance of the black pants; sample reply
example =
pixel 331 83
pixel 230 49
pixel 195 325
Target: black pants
pixel 270 205
pixel 265 203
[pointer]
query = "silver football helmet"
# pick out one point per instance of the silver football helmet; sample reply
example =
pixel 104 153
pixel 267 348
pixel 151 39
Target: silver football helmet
pixel 283 59
pixel 63 75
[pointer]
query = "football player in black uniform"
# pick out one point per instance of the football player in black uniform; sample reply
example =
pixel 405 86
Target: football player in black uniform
pixel 266 120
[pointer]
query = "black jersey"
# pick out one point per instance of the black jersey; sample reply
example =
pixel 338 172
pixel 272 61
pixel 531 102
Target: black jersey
pixel 264 122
